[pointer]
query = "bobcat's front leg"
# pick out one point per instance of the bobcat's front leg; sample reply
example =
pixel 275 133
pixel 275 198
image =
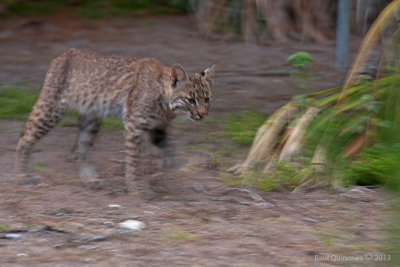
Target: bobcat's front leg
pixel 88 128
pixel 134 142
pixel 159 138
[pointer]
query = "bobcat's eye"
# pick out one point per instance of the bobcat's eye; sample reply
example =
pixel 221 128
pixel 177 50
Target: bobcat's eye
pixel 207 100
pixel 192 101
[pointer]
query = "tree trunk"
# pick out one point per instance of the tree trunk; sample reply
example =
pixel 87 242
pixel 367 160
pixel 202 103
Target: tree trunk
pixel 249 22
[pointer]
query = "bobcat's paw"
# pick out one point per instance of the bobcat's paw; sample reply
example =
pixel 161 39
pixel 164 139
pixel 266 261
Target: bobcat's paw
pixel 88 173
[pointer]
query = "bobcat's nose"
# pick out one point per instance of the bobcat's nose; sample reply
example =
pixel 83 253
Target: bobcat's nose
pixel 202 115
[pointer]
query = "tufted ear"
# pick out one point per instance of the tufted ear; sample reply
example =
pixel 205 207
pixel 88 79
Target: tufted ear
pixel 177 74
pixel 209 72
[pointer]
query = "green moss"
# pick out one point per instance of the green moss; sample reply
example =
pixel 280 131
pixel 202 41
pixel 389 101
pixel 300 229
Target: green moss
pixel 181 236
pixel 196 148
pixel 39 164
pixel 4 227
pixel 326 239
pixel 16 104
pixel 112 124
pixel 285 177
pixel 278 220
pixel 70 119
pixel 242 128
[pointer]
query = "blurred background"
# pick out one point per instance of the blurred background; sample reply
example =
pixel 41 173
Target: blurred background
pixel 305 112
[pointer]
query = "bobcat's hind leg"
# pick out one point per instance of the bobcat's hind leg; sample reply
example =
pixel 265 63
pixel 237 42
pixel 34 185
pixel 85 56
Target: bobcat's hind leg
pixel 89 126
pixel 47 111
pixel 44 116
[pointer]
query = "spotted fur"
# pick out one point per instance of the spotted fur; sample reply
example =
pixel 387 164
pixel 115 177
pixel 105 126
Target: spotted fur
pixel 144 93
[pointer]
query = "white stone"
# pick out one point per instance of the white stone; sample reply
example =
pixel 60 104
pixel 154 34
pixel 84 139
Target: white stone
pixel 12 236
pixel 114 206
pixel 132 225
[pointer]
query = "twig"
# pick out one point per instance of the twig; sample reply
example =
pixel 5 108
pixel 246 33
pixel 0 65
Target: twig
pixel 222 197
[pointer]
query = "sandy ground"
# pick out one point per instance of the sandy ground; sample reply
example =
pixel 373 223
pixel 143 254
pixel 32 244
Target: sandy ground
pixel 198 220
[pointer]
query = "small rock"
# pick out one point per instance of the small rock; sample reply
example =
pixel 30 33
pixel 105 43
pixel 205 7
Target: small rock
pixel 96 238
pixel 91 247
pixel 149 212
pixel 59 246
pixel 310 220
pixel 356 190
pixel 12 236
pixel 89 260
pixel 265 205
pixel 22 255
pixel 132 225
pixel 114 206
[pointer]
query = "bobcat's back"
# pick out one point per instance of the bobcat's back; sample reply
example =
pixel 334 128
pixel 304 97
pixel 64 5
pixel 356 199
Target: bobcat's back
pixel 93 83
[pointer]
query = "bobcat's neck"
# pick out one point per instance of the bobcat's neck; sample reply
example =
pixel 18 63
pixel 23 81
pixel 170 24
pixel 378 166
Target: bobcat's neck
pixel 166 82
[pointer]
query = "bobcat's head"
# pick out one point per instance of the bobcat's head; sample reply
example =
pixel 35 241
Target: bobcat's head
pixel 191 92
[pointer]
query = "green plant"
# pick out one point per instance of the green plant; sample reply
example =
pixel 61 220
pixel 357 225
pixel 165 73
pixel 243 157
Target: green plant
pixel 285 177
pixel 27 7
pixel 375 165
pixel 242 128
pixel 300 59
pixel 301 62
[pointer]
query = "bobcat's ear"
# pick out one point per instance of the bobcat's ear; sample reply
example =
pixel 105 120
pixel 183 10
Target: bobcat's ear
pixel 177 74
pixel 208 73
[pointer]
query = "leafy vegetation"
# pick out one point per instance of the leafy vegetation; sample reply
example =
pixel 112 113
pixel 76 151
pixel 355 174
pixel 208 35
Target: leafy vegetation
pixel 242 128
pixel 285 177
pixel 301 62
pixel 360 116
pixel 94 9
pixel 300 59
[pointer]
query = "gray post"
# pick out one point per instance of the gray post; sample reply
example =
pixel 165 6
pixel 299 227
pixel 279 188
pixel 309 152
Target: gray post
pixel 342 34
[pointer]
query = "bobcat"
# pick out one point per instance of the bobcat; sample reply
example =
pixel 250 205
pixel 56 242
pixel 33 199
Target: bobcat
pixel 145 93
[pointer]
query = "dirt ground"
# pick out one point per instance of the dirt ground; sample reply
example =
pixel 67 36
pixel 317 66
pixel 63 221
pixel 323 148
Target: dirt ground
pixel 198 220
